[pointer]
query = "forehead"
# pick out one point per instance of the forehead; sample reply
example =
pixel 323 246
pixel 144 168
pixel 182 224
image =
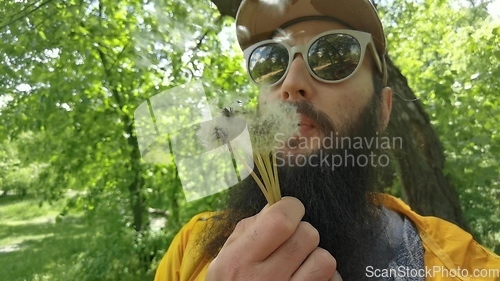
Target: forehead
pixel 302 31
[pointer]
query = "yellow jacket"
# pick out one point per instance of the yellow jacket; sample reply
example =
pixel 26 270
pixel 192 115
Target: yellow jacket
pixel 450 252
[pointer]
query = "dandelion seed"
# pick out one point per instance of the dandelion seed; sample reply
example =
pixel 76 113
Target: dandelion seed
pixel 274 119
pixel 219 131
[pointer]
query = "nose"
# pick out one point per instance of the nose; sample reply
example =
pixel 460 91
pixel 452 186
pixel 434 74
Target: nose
pixel 297 85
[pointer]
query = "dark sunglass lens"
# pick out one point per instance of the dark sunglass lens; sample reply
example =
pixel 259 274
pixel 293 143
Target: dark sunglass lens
pixel 268 63
pixel 335 56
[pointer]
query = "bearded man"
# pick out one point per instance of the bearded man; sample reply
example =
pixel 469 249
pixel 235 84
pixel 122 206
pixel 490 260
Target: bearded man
pixel 327 58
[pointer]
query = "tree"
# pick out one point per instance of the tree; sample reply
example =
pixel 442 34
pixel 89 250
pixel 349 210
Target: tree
pixel 73 73
pixel 450 61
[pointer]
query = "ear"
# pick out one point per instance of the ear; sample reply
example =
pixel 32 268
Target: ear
pixel 385 107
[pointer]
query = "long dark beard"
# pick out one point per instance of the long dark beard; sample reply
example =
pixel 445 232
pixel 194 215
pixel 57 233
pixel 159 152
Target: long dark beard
pixel 340 202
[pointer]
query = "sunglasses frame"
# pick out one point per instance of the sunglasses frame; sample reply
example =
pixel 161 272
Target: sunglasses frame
pixel 364 39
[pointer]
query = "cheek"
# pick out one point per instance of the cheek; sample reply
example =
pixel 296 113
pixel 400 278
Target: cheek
pixel 361 93
pixel 344 105
pixel 338 110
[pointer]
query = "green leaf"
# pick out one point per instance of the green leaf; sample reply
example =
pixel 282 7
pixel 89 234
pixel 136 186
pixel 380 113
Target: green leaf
pixel 497 54
pixel 496 31
pixel 42 35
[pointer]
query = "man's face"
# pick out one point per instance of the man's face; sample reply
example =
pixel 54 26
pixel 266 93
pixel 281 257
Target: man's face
pixel 341 103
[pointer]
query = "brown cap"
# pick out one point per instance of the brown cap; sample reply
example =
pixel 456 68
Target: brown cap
pixel 257 20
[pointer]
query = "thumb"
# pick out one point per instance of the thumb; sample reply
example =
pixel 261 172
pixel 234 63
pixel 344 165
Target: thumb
pixel 336 277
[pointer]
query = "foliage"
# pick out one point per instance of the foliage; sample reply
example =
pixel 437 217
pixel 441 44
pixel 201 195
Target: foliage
pixel 16 177
pixel 450 56
pixel 74 71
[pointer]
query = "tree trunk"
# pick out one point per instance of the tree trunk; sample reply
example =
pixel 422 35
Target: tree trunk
pixel 135 188
pixel 420 159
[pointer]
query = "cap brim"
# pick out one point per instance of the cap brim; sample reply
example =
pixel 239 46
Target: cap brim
pixel 257 20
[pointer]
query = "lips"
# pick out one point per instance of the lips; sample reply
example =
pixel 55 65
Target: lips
pixel 306 125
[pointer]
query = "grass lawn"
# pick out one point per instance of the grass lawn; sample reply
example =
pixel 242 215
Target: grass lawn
pixel 33 246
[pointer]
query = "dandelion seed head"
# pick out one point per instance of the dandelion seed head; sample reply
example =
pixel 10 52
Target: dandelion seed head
pixel 276 119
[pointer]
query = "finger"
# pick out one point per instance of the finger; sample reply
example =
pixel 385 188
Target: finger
pixel 239 230
pixel 242 225
pixel 319 265
pixel 336 277
pixel 270 228
pixel 294 251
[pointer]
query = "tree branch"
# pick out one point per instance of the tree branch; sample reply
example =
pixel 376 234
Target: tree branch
pixel 25 15
pixel 25 8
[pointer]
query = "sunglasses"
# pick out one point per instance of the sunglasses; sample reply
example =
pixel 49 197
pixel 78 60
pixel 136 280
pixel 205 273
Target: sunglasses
pixel 331 57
